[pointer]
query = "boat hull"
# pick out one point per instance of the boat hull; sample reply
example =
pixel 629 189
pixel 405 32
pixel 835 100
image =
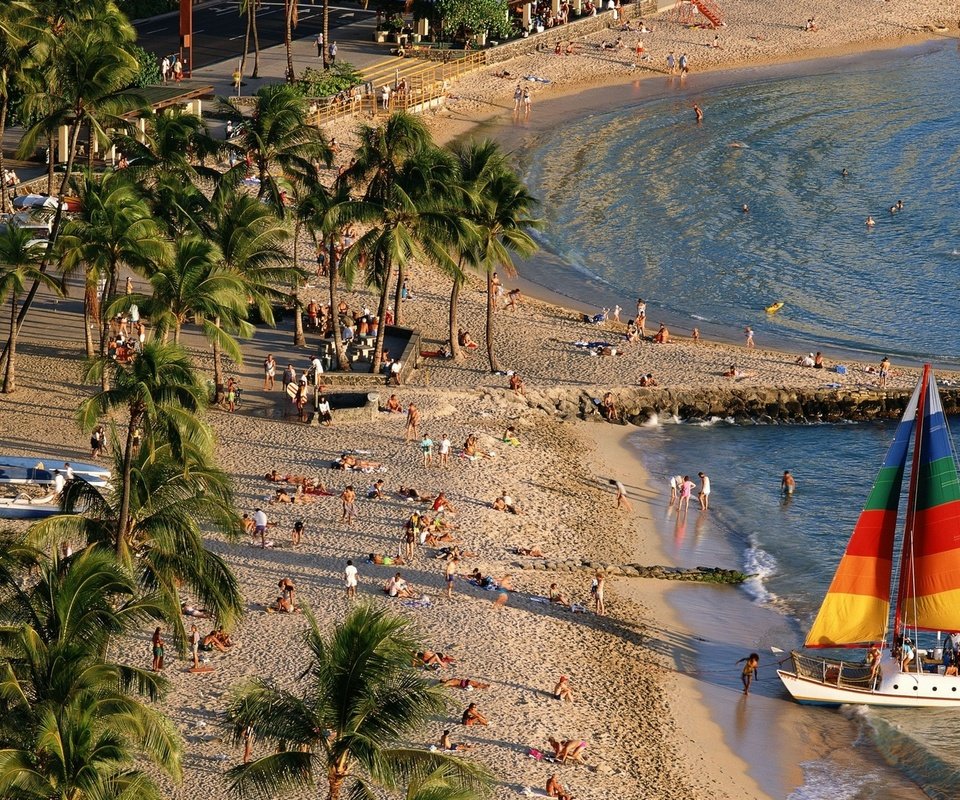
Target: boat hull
pixel 18 470
pixel 23 510
pixel 897 690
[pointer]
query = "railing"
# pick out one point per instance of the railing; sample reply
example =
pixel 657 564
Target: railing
pixel 851 675
pixel 424 86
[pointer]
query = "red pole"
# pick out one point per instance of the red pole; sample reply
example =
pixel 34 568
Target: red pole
pixel 186 36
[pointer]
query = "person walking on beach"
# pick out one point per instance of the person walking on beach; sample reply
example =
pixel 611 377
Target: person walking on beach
pixel 195 646
pixel 884 371
pixel 260 525
pixel 596 589
pixel 641 320
pixel 527 100
pixel 426 447
pixel 348 500
pixel 443 451
pixel 787 483
pixel 622 501
pixel 350 579
pixel 749 673
pixel 672 63
pixel 748 333
pixel 269 372
pixel 297 535
pixel 413 421
pixel 449 573
pixel 704 495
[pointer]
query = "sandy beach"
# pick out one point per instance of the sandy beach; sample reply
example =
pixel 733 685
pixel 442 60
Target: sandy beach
pixel 649 733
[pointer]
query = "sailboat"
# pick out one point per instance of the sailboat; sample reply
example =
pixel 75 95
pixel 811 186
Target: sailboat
pixel 925 593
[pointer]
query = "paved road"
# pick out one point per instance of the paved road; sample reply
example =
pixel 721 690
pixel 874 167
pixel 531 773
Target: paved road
pixel 218 30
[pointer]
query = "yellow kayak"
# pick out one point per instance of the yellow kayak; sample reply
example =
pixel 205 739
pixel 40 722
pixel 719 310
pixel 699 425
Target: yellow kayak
pixel 773 309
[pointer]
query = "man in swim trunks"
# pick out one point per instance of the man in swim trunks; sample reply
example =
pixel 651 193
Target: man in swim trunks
pixel 884 371
pixel 787 483
pixel 449 573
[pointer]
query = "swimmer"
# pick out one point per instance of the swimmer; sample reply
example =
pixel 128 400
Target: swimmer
pixel 745 208
pixel 899 205
pixel 844 173
pixel 698 111
pixel 736 144
pixel 870 223
pixel 787 483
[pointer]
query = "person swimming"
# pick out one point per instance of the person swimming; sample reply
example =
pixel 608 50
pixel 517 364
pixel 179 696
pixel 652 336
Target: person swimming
pixel 844 173
pixel 870 223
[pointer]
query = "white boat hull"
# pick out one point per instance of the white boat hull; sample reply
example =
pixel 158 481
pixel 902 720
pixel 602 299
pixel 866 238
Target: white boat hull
pixel 896 689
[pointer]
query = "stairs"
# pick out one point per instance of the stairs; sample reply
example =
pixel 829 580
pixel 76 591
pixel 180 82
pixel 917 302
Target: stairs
pixel 710 10
pixel 390 69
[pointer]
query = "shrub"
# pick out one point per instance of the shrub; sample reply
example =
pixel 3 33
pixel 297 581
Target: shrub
pixel 324 83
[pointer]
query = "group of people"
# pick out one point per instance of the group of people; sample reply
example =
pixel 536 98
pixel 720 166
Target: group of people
pixel 681 490
pixel 171 68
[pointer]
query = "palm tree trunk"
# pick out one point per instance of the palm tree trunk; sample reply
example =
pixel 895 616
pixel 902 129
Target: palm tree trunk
pixel 217 366
pixel 246 41
pixel 342 363
pixel 54 230
pixel 326 30
pixel 51 142
pixel 3 126
pixel 288 36
pixel 123 518
pixel 176 332
pixel 256 42
pixel 397 299
pixel 455 353
pixel 91 311
pixel 299 339
pixel 9 381
pixel 382 316
pixel 494 366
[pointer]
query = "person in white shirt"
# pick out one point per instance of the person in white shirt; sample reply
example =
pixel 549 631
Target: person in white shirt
pixel 443 450
pixel 59 482
pixel 68 471
pixel 350 579
pixel 704 494
pixel 260 525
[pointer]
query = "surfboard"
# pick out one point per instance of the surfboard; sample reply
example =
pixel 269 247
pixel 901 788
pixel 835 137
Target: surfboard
pixel 773 309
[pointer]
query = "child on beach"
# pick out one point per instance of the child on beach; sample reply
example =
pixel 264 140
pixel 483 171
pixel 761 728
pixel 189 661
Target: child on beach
pixel 749 673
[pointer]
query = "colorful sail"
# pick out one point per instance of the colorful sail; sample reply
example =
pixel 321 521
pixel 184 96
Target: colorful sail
pixel 932 548
pixel 857 605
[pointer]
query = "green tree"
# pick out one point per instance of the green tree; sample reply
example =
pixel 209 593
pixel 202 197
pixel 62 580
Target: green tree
pixel 17 39
pixel 359 700
pixel 249 9
pixel 148 69
pixel 407 179
pixel 114 229
pixel 19 266
pixel 159 395
pixel 175 495
pixel 281 140
pixel 466 18
pixel 70 728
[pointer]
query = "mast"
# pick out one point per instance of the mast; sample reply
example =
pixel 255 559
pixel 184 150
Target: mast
pixel 906 551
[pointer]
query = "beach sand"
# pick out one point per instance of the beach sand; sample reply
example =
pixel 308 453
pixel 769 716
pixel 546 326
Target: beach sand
pixel 649 733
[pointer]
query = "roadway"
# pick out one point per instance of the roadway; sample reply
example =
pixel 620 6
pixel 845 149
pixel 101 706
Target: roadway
pixel 218 29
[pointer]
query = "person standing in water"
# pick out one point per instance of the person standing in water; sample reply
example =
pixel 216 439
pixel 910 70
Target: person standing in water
pixel 699 112
pixel 787 483
pixel 704 495
pixel 749 673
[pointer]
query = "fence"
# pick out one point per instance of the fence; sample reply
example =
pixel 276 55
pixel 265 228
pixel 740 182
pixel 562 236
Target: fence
pixel 424 88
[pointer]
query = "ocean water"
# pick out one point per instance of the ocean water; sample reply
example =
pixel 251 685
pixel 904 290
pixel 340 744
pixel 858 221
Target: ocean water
pixel 641 201
pixel 793 546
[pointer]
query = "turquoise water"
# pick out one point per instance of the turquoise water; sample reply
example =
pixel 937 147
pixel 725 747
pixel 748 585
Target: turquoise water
pixel 793 546
pixel 643 201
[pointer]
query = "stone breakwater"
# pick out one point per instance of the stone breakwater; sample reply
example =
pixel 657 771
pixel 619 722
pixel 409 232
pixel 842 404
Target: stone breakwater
pixel 747 404
pixel 700 574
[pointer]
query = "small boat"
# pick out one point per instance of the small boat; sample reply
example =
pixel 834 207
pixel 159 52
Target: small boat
pixel 774 308
pixel 26 507
pixel 923 590
pixel 17 469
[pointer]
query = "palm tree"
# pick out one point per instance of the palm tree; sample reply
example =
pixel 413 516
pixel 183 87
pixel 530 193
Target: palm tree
pixel 407 179
pixel 19 265
pixel 249 8
pixel 80 81
pixel 501 217
pixel 69 727
pixel 326 211
pixel 361 698
pixel 250 238
pixel 281 140
pixel 174 140
pixel 113 229
pixel 195 286
pixel 174 497
pixel 159 393
pixel 17 38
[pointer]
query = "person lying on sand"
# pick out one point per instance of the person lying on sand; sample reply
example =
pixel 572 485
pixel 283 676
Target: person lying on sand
pixel 533 552
pixel 489 582
pixel 409 493
pixel 428 658
pixel 506 503
pixel 281 496
pixel 384 560
pixel 463 683
pixel 347 461
pixel 433 539
pixel 555 789
pixel 217 640
pixel 441 503
pixel 283 606
pixel 733 372
pixel 316 487
pixel 447 744
pixel 449 553
pixel 192 611
pixel 275 477
pixel 562 690
pixel 472 716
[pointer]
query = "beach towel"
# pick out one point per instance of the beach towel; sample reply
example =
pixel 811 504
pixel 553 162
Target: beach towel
pixel 423 602
pixel 536 79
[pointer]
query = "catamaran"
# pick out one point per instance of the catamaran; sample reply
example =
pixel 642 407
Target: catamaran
pixel 925 590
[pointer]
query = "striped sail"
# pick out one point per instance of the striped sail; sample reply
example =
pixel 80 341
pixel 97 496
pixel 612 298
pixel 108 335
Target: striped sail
pixel 932 554
pixel 857 605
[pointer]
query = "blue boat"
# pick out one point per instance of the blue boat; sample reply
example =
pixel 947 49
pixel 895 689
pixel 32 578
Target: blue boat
pixel 17 469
